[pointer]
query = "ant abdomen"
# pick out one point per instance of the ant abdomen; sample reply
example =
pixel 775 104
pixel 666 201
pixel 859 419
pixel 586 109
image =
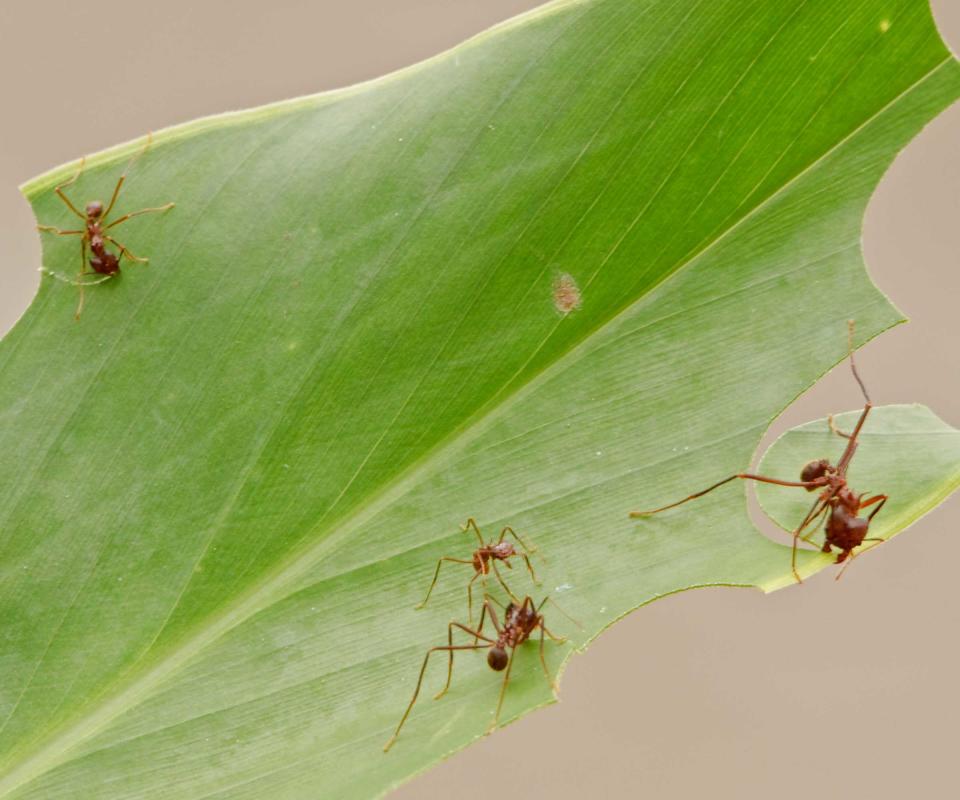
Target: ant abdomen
pixel 813 471
pixel 106 263
pixel 497 659
pixel 846 530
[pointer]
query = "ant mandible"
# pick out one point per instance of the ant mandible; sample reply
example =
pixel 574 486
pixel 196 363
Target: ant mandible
pixel 520 620
pixel 484 559
pixel 94 232
pixel 844 528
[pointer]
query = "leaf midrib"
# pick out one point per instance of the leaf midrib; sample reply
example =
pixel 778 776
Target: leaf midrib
pixel 269 588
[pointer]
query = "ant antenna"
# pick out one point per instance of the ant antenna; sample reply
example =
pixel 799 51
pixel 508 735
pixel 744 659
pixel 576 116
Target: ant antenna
pixel 853 365
pixel 559 608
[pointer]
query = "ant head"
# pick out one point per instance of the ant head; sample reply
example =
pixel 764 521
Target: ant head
pixel 94 209
pixel 497 658
pixel 814 470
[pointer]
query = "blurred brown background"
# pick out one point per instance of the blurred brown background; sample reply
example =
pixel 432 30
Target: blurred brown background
pixel 830 690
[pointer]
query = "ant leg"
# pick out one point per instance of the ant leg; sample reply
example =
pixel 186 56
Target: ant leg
pixel 880 498
pixel 502 582
pixel 416 691
pixel 814 484
pixel 78 281
pixel 543 660
pixel 483 617
pixel 516 536
pixel 472 523
pixel 123 176
pixel 812 514
pixel 133 214
pixel 83 269
pixel 476 635
pixel 556 605
pixel 437 575
pixel 533 575
pixel 51 229
pixel 557 639
pixel 852 445
pixel 860 553
pixel 493 613
pixel 74 281
pixel 525 550
pixel 493 599
pixel 470 596
pixel 835 429
pixel 446 686
pixel 819 506
pixel 844 568
pixel 844 461
pixel 853 365
pixel 59 190
pixel 503 691
pixel 124 251
pixel 116 193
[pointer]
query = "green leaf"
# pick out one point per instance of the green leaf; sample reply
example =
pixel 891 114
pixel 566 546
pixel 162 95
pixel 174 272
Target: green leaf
pixel 226 487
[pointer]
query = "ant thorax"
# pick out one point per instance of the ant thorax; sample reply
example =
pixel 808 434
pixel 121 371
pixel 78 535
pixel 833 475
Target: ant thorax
pixel 518 622
pixel 502 550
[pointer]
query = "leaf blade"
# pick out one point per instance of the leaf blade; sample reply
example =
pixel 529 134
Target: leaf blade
pixel 543 374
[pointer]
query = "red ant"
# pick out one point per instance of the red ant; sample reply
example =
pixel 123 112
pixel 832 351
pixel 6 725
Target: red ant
pixel 94 232
pixel 844 529
pixel 520 620
pixel 484 559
